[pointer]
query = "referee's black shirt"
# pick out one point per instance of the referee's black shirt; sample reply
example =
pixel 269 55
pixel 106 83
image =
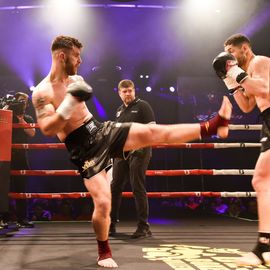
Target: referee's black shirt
pixel 137 111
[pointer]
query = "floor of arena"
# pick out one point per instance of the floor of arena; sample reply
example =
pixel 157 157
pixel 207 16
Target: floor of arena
pixel 187 243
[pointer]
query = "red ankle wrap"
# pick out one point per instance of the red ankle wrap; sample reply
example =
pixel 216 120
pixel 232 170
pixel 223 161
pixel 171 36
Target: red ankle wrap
pixel 104 251
pixel 209 128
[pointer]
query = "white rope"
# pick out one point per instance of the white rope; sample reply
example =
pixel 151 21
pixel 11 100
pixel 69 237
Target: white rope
pixel 238 194
pixel 245 127
pixel 235 145
pixel 233 172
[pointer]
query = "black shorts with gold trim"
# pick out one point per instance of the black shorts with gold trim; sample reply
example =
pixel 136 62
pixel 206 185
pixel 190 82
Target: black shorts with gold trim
pixel 92 145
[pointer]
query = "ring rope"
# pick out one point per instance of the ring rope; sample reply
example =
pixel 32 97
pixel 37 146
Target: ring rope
pixel 148 172
pixel 159 146
pixel 38 146
pixel 76 195
pixel 245 127
pixel 231 127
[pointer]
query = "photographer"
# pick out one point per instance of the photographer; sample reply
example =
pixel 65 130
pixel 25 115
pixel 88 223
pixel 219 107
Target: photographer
pixel 19 158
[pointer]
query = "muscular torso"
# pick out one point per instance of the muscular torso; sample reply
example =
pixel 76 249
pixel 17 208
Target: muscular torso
pixel 53 93
pixel 260 67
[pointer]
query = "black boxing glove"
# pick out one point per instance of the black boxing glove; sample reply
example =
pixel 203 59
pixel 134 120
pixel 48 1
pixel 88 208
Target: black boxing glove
pixel 225 65
pixel 81 90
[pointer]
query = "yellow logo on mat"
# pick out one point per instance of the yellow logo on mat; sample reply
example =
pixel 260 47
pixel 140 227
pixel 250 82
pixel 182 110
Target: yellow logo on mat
pixel 186 257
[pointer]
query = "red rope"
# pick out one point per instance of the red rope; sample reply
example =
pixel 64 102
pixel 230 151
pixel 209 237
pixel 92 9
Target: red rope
pixel 45 172
pixel 62 145
pixel 77 195
pixel 39 146
pixel 75 172
pixel 178 172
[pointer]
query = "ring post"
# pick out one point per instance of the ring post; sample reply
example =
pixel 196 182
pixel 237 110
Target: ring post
pixel 5 157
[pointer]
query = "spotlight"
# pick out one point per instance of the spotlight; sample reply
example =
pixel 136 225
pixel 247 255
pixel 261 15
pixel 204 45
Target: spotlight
pixel 147 76
pixel 32 88
pixel 172 89
pixel 148 89
pixel 141 76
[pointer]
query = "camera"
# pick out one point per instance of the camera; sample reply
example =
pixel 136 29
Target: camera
pixel 10 102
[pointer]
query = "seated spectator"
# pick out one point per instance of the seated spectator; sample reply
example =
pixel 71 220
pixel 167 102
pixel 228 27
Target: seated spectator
pixel 64 211
pixel 41 214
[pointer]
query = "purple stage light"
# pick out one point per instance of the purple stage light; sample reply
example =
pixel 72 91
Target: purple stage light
pixel 162 221
pixel 94 6
pixel 258 22
pixel 100 110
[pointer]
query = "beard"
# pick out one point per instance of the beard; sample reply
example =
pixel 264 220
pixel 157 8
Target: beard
pixel 128 100
pixel 69 68
pixel 242 59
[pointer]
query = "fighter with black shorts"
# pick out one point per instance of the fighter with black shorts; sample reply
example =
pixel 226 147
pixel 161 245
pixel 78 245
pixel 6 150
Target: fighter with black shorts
pixel 92 145
pixel 59 100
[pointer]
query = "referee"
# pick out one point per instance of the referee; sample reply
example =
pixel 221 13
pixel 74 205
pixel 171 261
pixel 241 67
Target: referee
pixel 133 167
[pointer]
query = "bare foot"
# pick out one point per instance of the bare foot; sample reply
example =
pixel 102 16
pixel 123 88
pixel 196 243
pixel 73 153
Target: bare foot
pixel 250 259
pixel 225 112
pixel 109 263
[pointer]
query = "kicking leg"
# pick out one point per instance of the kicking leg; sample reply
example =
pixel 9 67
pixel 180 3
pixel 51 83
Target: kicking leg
pixel 147 135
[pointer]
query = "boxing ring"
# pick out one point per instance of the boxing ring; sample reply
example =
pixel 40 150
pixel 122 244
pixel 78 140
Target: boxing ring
pixel 184 172
pixel 188 243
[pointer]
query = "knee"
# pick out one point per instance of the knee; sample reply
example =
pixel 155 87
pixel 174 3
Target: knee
pixel 259 183
pixel 103 205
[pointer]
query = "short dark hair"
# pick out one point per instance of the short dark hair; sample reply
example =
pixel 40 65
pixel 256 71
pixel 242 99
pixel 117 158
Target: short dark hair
pixel 126 84
pixel 65 42
pixel 237 39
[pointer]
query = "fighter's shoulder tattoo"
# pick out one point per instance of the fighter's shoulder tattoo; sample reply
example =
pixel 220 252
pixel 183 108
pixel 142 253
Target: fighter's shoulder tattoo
pixel 43 108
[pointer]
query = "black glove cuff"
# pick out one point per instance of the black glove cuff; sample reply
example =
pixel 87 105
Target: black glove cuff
pixel 241 77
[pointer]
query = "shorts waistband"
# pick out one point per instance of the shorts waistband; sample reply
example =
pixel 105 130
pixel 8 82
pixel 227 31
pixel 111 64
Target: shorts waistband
pixel 80 132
